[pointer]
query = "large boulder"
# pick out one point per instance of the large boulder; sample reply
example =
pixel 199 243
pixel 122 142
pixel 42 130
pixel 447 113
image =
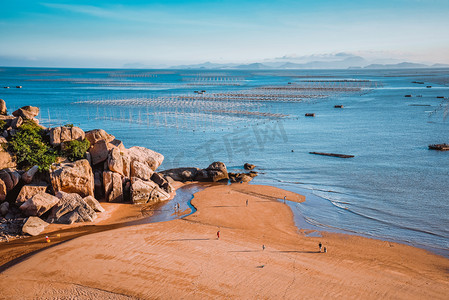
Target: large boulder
pixel 59 135
pixel 119 162
pixel 146 192
pixel 38 204
pixel 3 110
pixel 10 177
pixel 181 174
pixel 94 204
pixel 96 135
pixel 146 156
pixel 26 112
pixel 141 170
pixel 6 159
pixel 29 191
pixel 113 186
pixel 99 152
pixel 34 226
pixel 16 122
pixel 28 176
pixel 71 208
pixel 75 177
pixel 217 171
pixel 159 179
pixel 3 191
pixel 248 166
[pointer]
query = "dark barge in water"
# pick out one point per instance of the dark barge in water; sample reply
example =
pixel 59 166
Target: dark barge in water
pixel 439 147
pixel 332 154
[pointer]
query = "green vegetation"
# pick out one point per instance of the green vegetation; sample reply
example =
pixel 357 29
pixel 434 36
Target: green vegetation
pixel 2 124
pixel 31 148
pixel 75 150
pixel 69 125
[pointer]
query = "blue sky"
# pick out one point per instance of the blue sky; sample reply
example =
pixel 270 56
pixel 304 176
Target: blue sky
pixel 113 33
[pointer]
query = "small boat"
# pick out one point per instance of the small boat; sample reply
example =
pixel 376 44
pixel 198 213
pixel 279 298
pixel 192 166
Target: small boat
pixel 338 106
pixel 439 147
pixel 6 87
pixel 332 154
pixel 429 86
pixel 440 97
pixel 408 96
pixel 310 114
pixel 18 86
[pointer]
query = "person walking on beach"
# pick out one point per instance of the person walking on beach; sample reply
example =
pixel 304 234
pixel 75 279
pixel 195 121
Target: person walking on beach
pixel 263 247
pixel 177 206
pixel 325 250
pixel 284 198
pixel 320 245
pixel 246 202
pixel 218 234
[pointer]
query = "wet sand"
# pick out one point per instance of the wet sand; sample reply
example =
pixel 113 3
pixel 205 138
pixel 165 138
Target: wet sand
pixel 184 259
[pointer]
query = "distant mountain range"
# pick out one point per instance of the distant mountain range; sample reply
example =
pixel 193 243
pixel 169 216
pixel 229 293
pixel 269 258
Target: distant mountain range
pixel 351 62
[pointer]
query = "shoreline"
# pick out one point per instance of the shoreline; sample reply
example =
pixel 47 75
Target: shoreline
pixel 243 229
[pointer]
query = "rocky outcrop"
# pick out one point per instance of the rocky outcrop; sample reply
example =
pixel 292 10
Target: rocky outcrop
pixel 159 179
pixel 99 152
pixel 248 166
pixel 6 158
pixel 146 156
pixel 16 122
pixel 146 192
pixel 94 204
pixel 217 171
pixel 119 162
pixel 34 226
pixel 240 177
pixel 98 184
pixel 59 135
pixel 3 109
pixel 96 135
pixel 75 177
pixel 39 204
pixel 181 174
pixel 28 176
pixel 10 177
pixel 29 191
pixel 71 208
pixel 26 112
pixel 141 170
pixel 113 186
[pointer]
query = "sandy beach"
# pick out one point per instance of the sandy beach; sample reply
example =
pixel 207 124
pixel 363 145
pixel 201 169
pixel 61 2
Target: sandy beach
pixel 184 259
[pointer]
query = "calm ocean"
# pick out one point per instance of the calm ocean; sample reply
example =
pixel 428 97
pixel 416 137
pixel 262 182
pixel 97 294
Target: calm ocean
pixel 394 188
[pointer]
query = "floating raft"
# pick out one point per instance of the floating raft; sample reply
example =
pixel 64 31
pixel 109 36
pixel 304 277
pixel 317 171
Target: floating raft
pixel 338 106
pixel 440 147
pixel 310 115
pixel 332 154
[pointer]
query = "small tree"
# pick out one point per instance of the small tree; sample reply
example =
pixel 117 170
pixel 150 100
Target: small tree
pixel 75 150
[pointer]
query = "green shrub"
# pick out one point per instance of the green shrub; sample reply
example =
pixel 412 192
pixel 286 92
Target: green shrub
pixel 2 124
pixel 75 150
pixel 30 147
pixel 69 125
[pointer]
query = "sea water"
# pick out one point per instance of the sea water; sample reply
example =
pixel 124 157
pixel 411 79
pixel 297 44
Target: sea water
pixel 394 188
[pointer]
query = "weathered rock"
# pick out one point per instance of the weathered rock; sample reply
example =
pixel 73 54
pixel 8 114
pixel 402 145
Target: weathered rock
pixel 94 204
pixel 27 177
pixel 119 162
pixel 3 110
pixel 4 208
pixel 59 135
pixel 29 191
pixel 16 122
pixel 39 204
pixel 10 177
pixel 159 179
pixel 99 152
pixel 147 156
pixel 34 226
pixel 118 144
pixel 217 171
pixel 240 177
pixel 141 170
pixel 6 159
pixel 71 208
pixel 75 177
pixel 96 135
pixel 3 191
pixel 146 192
pixel 26 112
pixel 181 174
pixel 113 186
pixel 248 166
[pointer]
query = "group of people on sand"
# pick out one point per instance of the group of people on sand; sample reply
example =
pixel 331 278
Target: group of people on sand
pixel 322 248
pixel 176 207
